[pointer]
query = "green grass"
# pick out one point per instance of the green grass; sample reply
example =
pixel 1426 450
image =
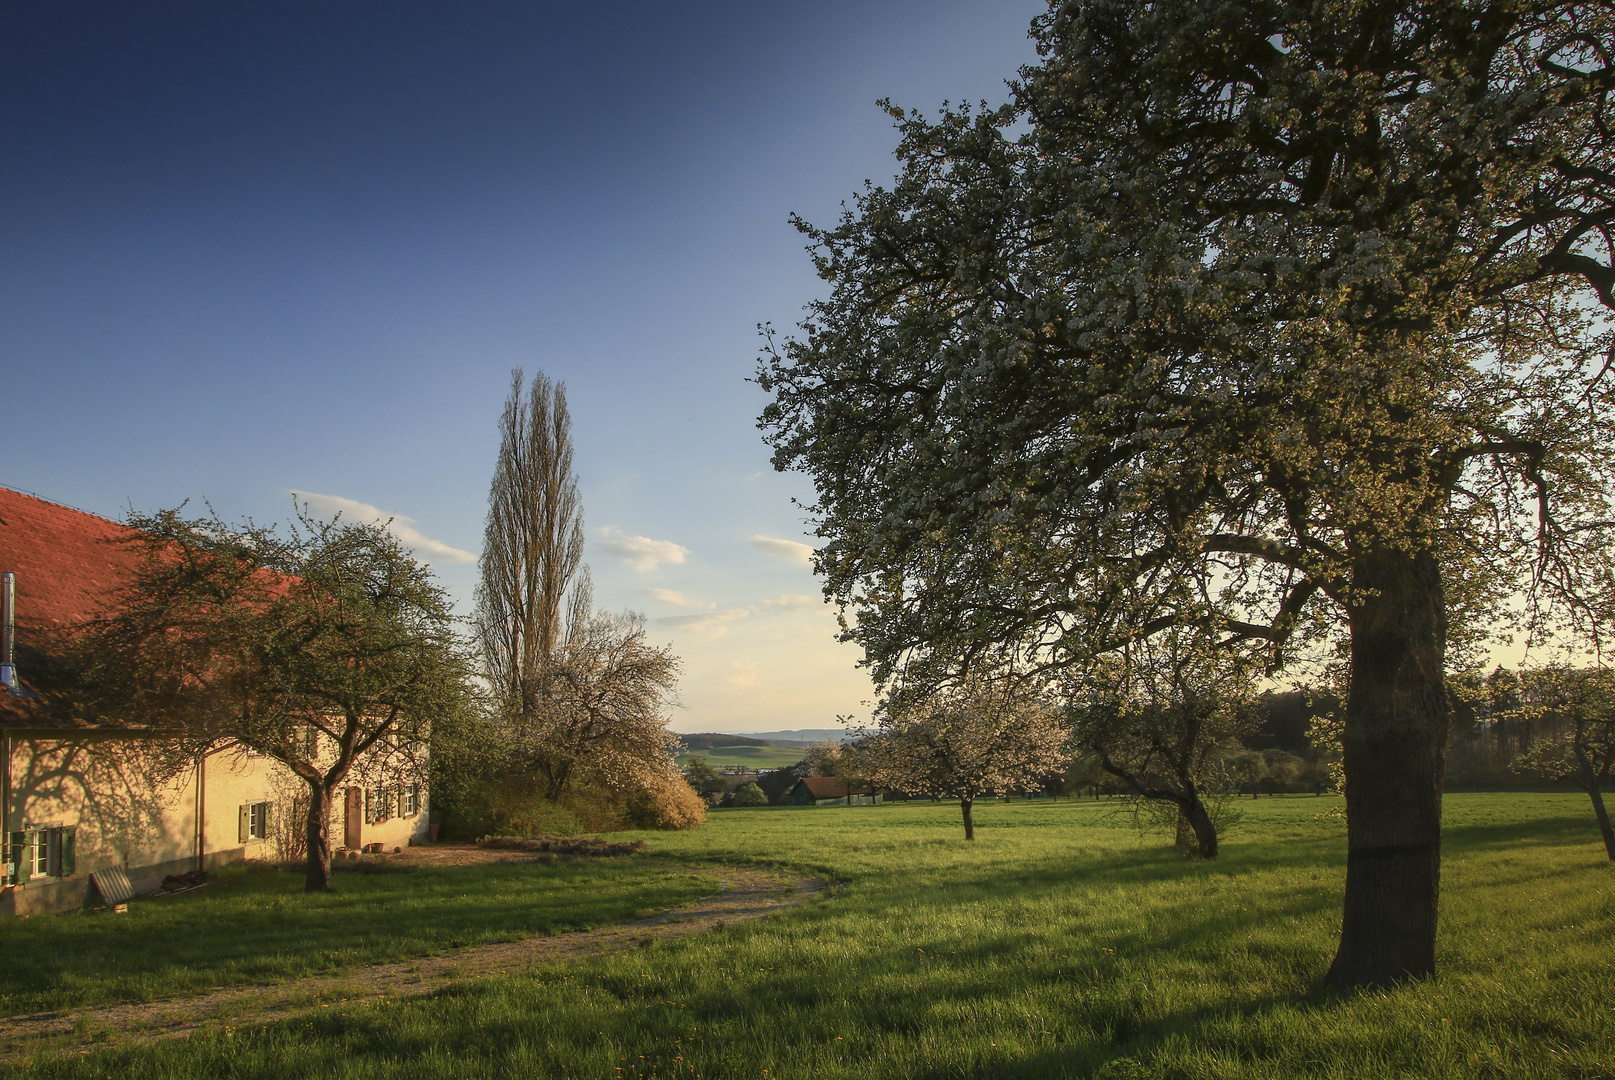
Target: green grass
pixel 262 927
pixel 1058 945
pixel 751 757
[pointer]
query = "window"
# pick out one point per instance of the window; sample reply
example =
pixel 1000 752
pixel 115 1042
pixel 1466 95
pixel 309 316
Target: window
pixel 36 853
pixel 412 800
pixel 378 805
pixel 43 852
pixel 254 819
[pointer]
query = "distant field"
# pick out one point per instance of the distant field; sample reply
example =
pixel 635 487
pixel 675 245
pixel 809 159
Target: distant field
pixel 1059 944
pixel 752 757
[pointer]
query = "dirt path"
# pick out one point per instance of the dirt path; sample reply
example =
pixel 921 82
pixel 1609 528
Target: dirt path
pixel 747 894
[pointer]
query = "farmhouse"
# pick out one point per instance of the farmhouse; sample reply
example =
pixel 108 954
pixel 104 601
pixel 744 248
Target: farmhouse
pixel 79 796
pixel 830 791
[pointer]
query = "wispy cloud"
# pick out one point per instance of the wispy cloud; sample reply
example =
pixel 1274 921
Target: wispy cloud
pixel 711 623
pixel 640 552
pixel 708 624
pixel 789 550
pixel 745 674
pixel 792 602
pixel 671 598
pixel 399 525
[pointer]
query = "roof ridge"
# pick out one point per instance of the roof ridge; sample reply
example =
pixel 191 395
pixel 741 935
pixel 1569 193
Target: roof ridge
pixel 54 502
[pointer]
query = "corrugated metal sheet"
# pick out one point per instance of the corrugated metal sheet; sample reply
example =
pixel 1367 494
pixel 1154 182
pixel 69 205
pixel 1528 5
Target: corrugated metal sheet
pixel 113 885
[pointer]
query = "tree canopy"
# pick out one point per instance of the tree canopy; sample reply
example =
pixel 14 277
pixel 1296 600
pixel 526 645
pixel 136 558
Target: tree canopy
pixel 987 736
pixel 1288 320
pixel 329 649
pixel 1155 714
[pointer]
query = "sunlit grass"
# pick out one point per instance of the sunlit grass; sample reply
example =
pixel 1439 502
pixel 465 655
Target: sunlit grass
pixel 750 757
pixel 256 927
pixel 1059 944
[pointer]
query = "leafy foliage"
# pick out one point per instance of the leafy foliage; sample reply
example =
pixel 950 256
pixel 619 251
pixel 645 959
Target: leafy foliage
pixel 327 648
pixel 986 737
pixel 749 794
pixel 1157 715
pixel 1285 320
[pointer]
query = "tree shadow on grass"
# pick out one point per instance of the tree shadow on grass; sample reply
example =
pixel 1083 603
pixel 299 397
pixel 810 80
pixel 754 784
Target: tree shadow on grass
pixel 265 927
pixel 1559 830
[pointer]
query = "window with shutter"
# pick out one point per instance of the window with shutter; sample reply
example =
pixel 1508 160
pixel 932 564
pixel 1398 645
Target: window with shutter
pixel 39 853
pixel 45 852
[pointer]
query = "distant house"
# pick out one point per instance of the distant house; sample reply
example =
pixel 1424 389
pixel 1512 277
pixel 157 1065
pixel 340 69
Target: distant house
pixel 74 798
pixel 831 791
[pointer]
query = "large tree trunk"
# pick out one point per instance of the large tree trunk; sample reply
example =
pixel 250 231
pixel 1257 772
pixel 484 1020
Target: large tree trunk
pixel 970 826
pixel 1205 833
pixel 1597 796
pixel 1394 740
pixel 1185 834
pixel 318 877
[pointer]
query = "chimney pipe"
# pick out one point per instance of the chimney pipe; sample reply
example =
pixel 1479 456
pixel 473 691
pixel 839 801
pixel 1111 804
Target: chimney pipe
pixel 8 631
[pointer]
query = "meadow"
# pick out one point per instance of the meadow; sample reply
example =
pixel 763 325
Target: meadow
pixel 750 757
pixel 1060 944
pixel 250 926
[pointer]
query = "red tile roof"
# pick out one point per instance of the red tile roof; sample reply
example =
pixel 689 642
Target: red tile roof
pixel 66 561
pixel 68 566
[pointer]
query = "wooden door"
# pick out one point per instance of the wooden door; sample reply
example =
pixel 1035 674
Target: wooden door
pixel 352 819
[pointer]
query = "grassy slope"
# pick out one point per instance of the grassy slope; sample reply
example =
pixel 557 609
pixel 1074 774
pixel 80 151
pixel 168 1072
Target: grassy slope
pixel 264 928
pixel 1057 945
pixel 752 757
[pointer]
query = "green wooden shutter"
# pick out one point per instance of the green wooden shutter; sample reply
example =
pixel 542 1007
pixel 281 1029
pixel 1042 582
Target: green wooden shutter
pixel 269 821
pixel 69 856
pixel 244 818
pixel 18 868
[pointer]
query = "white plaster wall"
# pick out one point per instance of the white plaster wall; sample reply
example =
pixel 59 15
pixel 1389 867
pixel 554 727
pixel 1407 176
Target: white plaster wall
pixel 123 819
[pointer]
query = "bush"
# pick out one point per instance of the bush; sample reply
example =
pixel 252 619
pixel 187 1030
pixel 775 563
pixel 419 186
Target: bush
pixel 749 795
pixel 512 806
pixel 776 784
pixel 665 801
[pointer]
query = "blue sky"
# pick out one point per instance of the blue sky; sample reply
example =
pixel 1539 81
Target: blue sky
pixel 248 249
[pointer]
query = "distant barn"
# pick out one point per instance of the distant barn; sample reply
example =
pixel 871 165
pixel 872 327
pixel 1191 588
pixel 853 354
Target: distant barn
pixel 830 791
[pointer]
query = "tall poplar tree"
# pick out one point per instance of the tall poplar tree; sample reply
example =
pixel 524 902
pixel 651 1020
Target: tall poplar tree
pixel 534 588
pixel 1286 319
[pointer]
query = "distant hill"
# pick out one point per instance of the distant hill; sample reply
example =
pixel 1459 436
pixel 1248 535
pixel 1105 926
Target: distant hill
pixel 708 740
pixel 800 737
pixel 797 739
